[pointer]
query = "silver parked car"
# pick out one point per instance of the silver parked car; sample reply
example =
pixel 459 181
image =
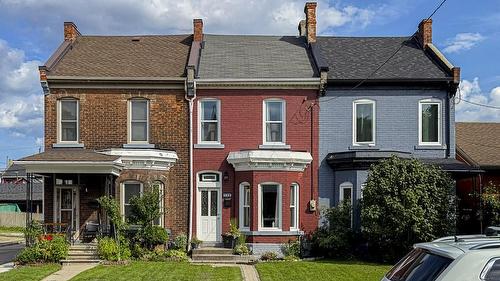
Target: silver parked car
pixel 455 258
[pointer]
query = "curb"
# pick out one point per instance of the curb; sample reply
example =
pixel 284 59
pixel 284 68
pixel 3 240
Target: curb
pixel 9 244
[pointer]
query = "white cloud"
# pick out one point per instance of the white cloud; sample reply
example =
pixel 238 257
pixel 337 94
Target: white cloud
pixel 471 91
pixel 463 42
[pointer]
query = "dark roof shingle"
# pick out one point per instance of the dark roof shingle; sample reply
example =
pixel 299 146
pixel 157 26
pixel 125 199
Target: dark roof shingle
pixel 246 56
pixel 121 56
pixel 479 141
pixel 70 154
pixel 355 58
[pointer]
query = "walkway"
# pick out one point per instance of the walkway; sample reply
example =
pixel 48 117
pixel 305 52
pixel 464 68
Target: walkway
pixel 69 271
pixel 249 272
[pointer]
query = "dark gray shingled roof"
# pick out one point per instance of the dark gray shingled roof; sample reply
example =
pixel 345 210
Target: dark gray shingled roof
pixel 355 58
pixel 14 170
pixel 253 57
pixel 17 192
pixel 120 56
pixel 70 154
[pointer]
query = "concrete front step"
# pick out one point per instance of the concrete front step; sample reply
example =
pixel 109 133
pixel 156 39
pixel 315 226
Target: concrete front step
pixel 82 257
pixel 212 250
pixel 80 261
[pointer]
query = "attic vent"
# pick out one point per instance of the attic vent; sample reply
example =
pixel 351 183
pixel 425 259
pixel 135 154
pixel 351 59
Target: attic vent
pixel 136 39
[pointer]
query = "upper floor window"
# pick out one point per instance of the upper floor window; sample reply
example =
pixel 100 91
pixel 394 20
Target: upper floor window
pixel 429 122
pixel 68 120
pixel 364 122
pixel 138 121
pixel 209 121
pixel 274 122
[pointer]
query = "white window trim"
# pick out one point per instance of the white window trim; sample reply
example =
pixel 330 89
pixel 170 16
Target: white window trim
pixel 122 194
pixel 218 141
pixel 297 206
pixel 59 121
pixel 162 202
pixel 440 125
pixel 354 122
pixel 242 205
pixel 129 121
pixel 280 211
pixel 283 122
pixel 343 186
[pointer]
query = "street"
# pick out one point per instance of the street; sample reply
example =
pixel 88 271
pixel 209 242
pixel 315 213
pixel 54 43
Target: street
pixel 8 253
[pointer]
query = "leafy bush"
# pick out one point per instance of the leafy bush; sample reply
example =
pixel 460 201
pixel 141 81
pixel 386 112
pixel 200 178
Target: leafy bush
pixel 195 242
pixel 53 249
pixel 335 238
pixel 145 209
pixel 180 242
pixel 406 202
pixel 108 249
pixel 152 236
pixel 112 210
pixel 176 255
pixel 241 250
pixel 32 231
pixel 491 205
pixel 291 258
pixel 291 249
pixel 269 256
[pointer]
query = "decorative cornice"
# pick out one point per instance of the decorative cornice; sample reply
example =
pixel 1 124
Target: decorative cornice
pixel 150 159
pixel 269 160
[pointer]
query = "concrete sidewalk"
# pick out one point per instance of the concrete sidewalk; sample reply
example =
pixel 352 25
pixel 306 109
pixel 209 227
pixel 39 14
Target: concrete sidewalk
pixel 69 271
pixel 6 267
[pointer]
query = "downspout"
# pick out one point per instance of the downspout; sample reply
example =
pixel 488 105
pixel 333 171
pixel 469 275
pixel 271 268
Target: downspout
pixel 190 96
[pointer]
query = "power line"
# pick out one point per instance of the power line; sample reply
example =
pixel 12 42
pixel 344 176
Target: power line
pixel 479 104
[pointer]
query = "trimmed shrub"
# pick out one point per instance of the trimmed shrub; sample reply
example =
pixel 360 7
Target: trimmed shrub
pixel 176 255
pixel 180 242
pixel 53 249
pixel 269 256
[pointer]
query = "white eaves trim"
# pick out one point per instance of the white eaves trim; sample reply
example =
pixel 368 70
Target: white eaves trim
pixel 440 55
pixel 265 160
pixel 154 159
pixel 83 167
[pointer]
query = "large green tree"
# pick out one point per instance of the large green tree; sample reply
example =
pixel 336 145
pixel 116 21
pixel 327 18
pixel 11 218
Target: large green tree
pixel 404 202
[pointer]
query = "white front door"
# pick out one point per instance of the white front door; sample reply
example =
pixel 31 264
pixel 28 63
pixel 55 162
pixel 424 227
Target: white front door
pixel 209 214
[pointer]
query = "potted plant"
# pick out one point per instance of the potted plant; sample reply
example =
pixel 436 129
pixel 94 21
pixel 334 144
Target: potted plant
pixel 195 242
pixel 229 238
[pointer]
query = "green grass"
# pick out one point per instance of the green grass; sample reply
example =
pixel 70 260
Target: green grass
pixel 28 273
pixel 321 271
pixel 151 271
pixel 11 229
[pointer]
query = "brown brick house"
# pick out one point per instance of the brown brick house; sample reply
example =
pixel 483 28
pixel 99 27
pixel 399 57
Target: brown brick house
pixel 116 123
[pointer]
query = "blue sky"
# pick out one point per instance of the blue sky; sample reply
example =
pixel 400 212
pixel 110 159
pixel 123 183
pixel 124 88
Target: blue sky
pixel 468 32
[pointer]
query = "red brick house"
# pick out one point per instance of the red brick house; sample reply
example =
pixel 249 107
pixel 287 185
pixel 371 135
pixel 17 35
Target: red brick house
pixel 116 123
pixel 255 135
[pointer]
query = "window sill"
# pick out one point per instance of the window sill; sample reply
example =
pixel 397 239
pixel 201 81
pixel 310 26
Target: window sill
pixel 275 146
pixel 430 147
pixel 138 145
pixel 273 233
pixel 209 145
pixel 68 145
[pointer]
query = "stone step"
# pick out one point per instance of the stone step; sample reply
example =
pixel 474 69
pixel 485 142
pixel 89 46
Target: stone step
pixel 64 262
pixel 83 247
pixel 89 254
pixel 211 244
pixel 212 250
pixel 83 251
pixel 77 257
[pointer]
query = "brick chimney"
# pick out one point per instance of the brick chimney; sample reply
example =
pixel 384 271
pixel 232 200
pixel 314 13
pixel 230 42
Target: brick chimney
pixel 310 11
pixel 70 31
pixel 425 32
pixel 198 30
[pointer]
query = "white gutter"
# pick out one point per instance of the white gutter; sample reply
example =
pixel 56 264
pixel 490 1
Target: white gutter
pixel 190 212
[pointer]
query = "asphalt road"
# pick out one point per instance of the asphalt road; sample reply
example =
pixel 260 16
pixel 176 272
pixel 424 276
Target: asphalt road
pixel 8 253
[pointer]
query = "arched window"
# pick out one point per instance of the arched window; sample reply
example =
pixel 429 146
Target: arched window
pixel 245 205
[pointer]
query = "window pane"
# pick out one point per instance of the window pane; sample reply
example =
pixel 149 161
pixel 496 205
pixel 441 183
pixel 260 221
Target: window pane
pixel 68 131
pixel 292 217
pixel 139 131
pixel 246 217
pixel 213 203
pixel 209 110
pixel 494 273
pixel 274 111
pixel 292 195
pixel 270 206
pixel 132 189
pixel 204 203
pixel 364 122
pixel 247 196
pixel 430 123
pixel 127 210
pixel 274 132
pixel 209 131
pixel 139 110
pixel 347 194
pixel 68 110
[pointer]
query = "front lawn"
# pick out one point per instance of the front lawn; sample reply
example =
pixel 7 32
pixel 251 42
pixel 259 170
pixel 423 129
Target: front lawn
pixel 160 271
pixel 28 273
pixel 321 271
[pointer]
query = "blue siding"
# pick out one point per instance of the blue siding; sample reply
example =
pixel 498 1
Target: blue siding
pixel 396 129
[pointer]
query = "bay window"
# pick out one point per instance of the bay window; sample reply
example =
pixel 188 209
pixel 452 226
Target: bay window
pixel 429 122
pixel 274 122
pixel 270 206
pixel 294 206
pixel 209 111
pixel 364 122
pixel 68 120
pixel 138 121
pixel 129 190
pixel 245 203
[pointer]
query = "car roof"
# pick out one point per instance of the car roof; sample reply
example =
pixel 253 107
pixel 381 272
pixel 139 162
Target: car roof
pixel 455 246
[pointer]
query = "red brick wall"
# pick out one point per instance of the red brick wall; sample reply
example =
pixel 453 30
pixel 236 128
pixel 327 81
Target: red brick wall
pixel 241 129
pixel 103 124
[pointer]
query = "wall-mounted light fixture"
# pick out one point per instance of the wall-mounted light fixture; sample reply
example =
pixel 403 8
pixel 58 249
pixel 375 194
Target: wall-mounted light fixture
pixel 225 176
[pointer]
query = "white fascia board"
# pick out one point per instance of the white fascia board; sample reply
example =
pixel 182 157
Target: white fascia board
pixel 153 159
pixel 262 160
pixel 440 55
pixel 82 167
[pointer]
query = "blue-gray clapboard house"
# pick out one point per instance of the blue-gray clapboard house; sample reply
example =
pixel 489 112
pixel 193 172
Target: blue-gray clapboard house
pixel 384 96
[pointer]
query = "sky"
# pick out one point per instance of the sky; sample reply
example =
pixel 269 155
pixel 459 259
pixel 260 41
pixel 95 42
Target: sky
pixel 467 32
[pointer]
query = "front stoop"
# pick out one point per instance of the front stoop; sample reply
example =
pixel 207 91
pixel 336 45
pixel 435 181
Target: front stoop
pixel 219 255
pixel 82 253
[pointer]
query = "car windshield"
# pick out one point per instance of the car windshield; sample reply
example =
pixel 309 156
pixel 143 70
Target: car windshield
pixel 419 265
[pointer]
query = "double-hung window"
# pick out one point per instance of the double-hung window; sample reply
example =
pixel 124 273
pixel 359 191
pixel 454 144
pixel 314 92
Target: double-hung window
pixel 270 206
pixel 68 120
pixel 209 121
pixel 159 188
pixel 139 121
pixel 364 122
pixel 129 190
pixel 274 122
pixel 245 194
pixel 294 206
pixel 429 122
